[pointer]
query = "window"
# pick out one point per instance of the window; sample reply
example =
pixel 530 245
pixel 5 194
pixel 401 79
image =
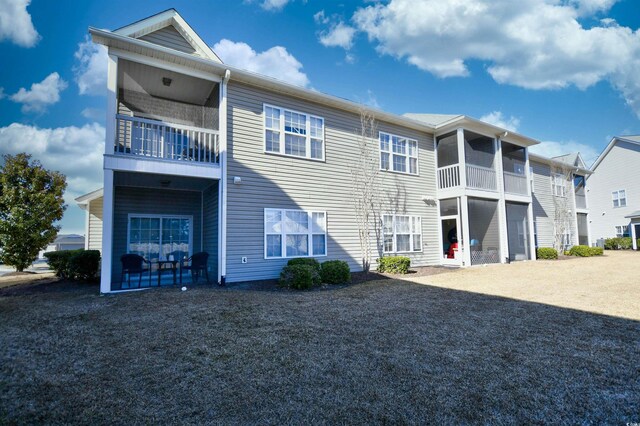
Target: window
pixel 558 183
pixel 398 154
pixel 157 237
pixel 619 198
pixel 293 133
pixel 294 233
pixel 622 231
pixel 401 233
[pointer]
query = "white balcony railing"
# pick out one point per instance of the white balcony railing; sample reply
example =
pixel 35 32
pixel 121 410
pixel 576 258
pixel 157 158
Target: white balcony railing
pixel 479 177
pixel 156 139
pixel 449 176
pixel 581 201
pixel 515 183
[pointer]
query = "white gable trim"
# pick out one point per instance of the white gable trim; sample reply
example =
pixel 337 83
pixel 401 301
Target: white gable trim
pixel 164 19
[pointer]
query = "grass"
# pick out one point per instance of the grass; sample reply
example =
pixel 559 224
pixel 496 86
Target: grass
pixel 387 351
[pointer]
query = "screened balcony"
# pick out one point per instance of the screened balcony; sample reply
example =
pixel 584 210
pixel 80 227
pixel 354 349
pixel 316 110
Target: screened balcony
pixel 479 162
pixel 514 169
pixel 165 115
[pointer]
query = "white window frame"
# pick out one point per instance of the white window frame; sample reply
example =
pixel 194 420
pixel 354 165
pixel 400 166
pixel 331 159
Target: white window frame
pixel 283 233
pixel 406 155
pixel 160 217
pixel 558 189
pixel 412 245
pixel 620 230
pixel 282 133
pixel 615 197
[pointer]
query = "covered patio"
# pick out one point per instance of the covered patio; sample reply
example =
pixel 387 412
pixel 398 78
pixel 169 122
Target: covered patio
pixel 164 219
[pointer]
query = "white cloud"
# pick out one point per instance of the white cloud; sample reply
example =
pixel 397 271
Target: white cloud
pixel 275 62
pixel 41 95
pixel 93 113
pixel 535 44
pixel 338 35
pixel 74 151
pixel 91 69
pixel 2 94
pixel 16 24
pixel 498 119
pixel 273 5
pixel 554 149
pixel 320 18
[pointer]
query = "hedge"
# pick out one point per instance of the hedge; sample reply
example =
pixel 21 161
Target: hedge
pixel 78 264
pixel 546 253
pixel 618 243
pixel 309 261
pixel 335 272
pixel 299 277
pixel 394 264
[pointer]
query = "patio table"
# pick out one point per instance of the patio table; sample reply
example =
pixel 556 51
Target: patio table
pixel 162 264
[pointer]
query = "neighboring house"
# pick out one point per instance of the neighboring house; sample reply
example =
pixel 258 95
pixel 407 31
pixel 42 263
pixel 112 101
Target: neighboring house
pixel 614 190
pixel 560 206
pixel 64 242
pixel 201 156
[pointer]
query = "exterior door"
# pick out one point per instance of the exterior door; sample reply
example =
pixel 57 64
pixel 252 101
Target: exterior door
pixel 451 241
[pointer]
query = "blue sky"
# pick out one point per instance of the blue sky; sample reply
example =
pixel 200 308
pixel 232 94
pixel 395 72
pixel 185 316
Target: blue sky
pixel 566 72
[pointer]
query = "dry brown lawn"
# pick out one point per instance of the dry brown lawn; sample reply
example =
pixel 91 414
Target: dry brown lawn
pixel 608 285
pixel 506 344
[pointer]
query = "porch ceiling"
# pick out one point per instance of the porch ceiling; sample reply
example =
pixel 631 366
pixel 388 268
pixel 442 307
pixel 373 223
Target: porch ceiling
pixel 151 180
pixel 146 79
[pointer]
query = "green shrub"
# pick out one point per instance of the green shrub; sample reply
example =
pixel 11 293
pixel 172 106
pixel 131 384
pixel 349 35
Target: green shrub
pixel 596 251
pixel 309 261
pixel 84 264
pixel 618 243
pixel 567 252
pixel 78 264
pixel 335 272
pixel 59 261
pixel 394 264
pixel 546 253
pixel 581 251
pixel 299 277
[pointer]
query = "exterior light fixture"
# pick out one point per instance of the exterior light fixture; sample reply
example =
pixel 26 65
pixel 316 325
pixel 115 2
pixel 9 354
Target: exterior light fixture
pixel 166 81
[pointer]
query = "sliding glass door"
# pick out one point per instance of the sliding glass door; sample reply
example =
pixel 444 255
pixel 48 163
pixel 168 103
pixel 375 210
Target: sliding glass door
pixel 157 237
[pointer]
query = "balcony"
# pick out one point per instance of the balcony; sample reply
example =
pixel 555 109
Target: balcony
pixel 515 183
pixel 153 139
pixel 581 201
pixel 483 178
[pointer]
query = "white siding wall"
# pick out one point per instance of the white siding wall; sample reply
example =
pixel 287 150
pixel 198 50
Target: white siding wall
pixel 544 205
pixel 620 169
pixel 284 182
pixel 95 225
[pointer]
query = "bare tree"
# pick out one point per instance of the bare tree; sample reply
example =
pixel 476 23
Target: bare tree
pixel 562 185
pixel 366 187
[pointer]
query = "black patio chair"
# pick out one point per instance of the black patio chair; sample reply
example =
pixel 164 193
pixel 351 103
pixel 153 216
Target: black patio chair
pixel 134 264
pixel 197 263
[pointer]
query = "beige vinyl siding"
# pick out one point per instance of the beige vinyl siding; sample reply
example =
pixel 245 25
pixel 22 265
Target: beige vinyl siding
pixel 95 224
pixel 544 205
pixel 619 169
pixel 128 200
pixel 169 37
pixel 273 181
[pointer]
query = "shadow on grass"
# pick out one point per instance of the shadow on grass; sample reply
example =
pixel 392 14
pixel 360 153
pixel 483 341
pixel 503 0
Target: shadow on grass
pixel 383 351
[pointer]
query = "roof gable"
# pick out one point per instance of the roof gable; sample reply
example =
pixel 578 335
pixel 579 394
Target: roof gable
pixel 169 29
pixel 629 139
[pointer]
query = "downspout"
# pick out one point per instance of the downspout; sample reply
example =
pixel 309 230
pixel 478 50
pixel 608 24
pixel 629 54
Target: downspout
pixel 223 177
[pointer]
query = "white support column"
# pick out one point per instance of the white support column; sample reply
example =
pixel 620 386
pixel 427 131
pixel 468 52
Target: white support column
pixel 575 238
pixel 634 237
pixel 502 206
pixel 222 212
pixel 107 232
pixel 461 158
pixel 532 241
pixel 112 104
pixel 466 247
